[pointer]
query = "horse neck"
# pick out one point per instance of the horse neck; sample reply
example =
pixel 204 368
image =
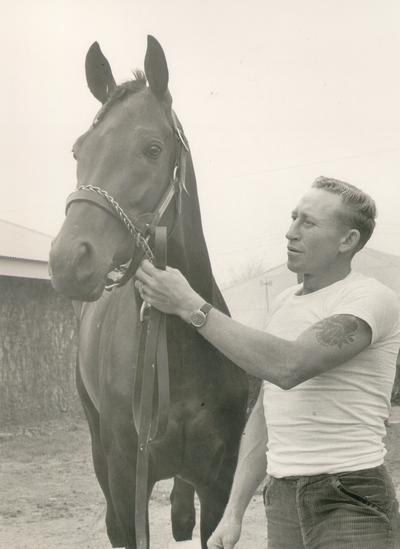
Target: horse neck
pixel 187 249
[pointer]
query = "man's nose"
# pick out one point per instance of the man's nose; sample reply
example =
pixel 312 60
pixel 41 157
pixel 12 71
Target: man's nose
pixel 293 232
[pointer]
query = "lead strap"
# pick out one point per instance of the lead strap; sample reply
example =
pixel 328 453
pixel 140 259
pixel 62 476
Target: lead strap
pixel 150 395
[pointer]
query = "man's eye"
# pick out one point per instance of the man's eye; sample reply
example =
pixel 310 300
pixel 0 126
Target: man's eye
pixel 153 151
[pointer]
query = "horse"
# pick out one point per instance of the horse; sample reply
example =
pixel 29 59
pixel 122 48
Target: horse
pixel 126 162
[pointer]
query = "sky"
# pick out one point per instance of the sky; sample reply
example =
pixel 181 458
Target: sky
pixel 271 94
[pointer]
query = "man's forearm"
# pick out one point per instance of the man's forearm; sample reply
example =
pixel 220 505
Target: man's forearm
pixel 252 464
pixel 250 472
pixel 258 353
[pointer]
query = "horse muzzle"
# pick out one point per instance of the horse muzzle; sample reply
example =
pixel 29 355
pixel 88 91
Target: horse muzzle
pixel 77 271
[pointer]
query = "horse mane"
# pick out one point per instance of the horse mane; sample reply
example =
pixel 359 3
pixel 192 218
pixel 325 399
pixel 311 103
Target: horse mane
pixel 120 92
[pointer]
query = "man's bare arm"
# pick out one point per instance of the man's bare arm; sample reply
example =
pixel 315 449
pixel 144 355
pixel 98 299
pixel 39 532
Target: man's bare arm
pixel 337 330
pixel 285 363
pixel 329 343
pixel 323 346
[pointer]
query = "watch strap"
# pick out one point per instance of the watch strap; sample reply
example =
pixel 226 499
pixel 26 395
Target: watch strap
pixel 206 308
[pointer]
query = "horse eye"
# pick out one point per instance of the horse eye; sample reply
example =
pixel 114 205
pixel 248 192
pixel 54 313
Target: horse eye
pixel 153 151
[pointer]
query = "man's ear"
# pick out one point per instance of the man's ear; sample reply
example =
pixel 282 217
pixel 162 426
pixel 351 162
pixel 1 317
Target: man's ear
pixel 350 241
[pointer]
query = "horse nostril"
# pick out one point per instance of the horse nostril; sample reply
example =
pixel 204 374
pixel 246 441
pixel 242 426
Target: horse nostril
pixel 84 256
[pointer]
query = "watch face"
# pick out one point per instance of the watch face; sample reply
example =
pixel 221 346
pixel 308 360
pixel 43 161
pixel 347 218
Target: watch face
pixel 198 319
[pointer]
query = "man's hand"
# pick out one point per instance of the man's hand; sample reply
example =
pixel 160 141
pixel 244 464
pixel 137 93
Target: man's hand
pixel 226 535
pixel 168 290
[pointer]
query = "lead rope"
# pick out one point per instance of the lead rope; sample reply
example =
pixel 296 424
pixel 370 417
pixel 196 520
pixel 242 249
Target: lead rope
pixel 150 398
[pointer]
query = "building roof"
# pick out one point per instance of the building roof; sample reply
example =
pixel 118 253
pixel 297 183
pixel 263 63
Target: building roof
pixel 24 252
pixel 380 265
pixel 21 242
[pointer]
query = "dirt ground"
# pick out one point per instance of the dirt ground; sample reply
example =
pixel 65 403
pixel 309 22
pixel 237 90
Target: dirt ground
pixel 50 497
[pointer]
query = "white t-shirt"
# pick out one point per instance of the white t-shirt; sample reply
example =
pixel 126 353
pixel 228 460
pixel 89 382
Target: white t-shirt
pixel 335 421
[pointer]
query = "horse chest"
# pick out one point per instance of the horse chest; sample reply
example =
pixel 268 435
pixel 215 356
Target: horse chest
pixel 107 347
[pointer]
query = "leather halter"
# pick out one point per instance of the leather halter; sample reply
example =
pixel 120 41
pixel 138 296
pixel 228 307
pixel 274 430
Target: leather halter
pixel 150 394
pixel 143 226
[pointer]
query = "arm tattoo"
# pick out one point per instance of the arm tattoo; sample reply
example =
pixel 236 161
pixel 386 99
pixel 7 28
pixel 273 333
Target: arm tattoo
pixel 336 330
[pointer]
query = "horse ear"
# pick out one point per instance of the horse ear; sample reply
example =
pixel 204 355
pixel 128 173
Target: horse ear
pixel 98 73
pixel 155 67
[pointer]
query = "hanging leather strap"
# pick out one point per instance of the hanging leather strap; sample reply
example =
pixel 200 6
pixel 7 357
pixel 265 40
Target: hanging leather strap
pixel 150 398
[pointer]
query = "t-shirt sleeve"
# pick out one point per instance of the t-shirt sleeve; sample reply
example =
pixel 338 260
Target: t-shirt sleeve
pixel 376 304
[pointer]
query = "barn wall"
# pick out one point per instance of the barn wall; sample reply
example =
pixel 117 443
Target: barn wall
pixel 37 352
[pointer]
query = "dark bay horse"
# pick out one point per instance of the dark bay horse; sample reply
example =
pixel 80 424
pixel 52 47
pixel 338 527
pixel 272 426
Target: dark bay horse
pixel 125 162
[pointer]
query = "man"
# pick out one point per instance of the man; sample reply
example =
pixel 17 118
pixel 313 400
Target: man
pixel 328 364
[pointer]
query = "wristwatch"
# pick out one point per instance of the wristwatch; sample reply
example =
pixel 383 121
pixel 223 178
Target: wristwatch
pixel 199 317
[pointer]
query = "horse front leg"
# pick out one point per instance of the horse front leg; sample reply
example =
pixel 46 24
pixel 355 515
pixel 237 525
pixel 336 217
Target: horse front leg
pixel 183 513
pixel 120 443
pixel 99 458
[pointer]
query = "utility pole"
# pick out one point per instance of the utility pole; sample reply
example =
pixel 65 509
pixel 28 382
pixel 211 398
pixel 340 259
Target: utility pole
pixel 267 283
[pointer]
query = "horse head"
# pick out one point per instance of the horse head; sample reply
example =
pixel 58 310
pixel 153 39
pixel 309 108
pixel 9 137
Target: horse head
pixel 126 162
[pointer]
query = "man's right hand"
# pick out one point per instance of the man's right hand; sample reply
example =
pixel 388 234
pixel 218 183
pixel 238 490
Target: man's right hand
pixel 226 535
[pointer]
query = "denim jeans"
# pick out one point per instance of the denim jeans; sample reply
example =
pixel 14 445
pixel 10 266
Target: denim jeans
pixel 352 510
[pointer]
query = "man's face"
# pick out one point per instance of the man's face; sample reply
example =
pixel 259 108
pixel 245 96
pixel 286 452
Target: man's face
pixel 316 232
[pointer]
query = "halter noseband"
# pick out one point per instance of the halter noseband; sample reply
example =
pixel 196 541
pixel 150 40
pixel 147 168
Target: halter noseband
pixel 142 228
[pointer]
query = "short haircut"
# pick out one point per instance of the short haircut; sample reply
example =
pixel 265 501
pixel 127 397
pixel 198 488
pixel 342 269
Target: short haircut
pixel 361 211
